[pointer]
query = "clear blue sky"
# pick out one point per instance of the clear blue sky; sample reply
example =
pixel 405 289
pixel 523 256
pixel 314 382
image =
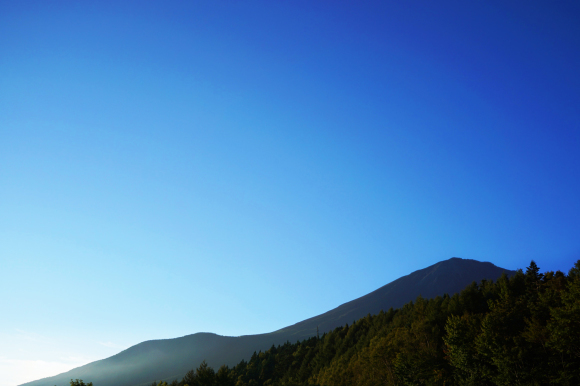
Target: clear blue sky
pixel 235 167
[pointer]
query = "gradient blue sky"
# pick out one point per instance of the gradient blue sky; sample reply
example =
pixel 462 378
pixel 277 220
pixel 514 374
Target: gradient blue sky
pixel 235 167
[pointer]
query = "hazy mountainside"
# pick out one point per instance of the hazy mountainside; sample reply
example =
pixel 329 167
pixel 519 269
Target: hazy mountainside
pixel 172 358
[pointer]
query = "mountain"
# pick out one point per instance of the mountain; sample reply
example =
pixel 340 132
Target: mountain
pixel 172 358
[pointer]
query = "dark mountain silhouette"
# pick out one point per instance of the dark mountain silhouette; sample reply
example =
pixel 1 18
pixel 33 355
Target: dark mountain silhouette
pixel 172 358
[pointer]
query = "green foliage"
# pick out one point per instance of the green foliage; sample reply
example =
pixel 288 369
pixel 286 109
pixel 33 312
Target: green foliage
pixel 79 382
pixel 523 330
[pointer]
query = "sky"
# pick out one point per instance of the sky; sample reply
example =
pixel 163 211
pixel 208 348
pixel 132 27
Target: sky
pixel 235 167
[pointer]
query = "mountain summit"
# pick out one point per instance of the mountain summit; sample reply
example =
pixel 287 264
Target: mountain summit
pixel 172 358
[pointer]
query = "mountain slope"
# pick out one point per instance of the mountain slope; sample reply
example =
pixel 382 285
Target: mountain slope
pixel 446 277
pixel 163 359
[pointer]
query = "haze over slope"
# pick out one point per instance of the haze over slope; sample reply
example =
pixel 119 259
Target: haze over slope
pixel 167 358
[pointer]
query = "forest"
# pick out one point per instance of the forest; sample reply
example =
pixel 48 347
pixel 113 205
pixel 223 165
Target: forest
pixel 519 330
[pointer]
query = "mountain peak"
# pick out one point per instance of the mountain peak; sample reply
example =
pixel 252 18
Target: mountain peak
pixel 172 358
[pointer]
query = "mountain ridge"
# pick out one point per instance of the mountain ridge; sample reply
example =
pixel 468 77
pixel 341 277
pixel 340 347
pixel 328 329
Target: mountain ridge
pixel 166 358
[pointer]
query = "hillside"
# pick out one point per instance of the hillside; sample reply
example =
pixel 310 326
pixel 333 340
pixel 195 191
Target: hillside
pixel 172 358
pixel 520 330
